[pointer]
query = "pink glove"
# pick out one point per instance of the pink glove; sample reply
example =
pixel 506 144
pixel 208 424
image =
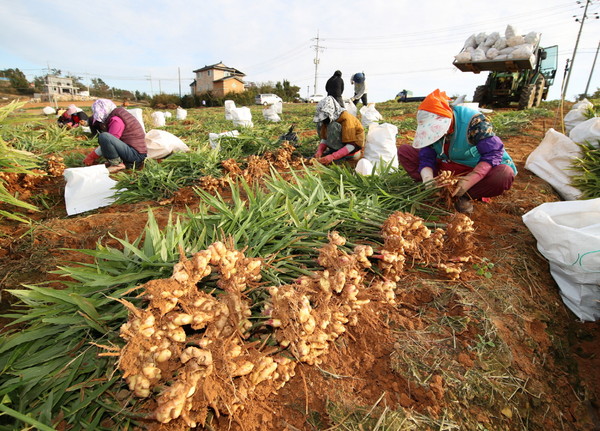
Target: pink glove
pixel 343 152
pixel 465 183
pixel 91 158
pixel 320 150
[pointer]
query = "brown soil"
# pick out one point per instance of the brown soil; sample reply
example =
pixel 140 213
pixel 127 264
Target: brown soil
pixel 551 359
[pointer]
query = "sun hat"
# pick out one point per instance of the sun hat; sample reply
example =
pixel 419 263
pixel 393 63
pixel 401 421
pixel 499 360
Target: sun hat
pixel 434 118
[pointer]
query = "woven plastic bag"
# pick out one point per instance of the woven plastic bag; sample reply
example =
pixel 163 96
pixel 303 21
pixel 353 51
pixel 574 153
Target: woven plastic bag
pixel 161 143
pixel 568 235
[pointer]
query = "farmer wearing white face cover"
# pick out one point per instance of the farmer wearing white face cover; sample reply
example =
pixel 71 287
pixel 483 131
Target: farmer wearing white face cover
pixel 330 114
pixel 460 140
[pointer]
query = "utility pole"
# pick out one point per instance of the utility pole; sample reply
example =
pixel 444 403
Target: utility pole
pixel 591 72
pixel 587 3
pixel 179 76
pixel 151 90
pixel 317 48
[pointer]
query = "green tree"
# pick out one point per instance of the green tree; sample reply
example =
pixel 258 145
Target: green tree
pixel 18 81
pixel 99 88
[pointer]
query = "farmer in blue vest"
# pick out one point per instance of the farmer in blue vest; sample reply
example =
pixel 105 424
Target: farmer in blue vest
pixel 460 140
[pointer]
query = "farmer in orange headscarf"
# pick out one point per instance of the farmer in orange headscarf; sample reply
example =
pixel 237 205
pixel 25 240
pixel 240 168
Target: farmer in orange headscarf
pixel 461 140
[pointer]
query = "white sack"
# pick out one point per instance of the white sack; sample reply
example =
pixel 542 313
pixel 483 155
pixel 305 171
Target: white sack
pixel 88 188
pixel 368 115
pixel 478 55
pixel 270 114
pixel 568 235
pixel 161 143
pixel 350 107
pixel 515 40
pixel 463 57
pixel 492 53
pixel 470 42
pixel 242 117
pixel 215 138
pixel 587 132
pixel 181 114
pixel 522 51
pixel 491 39
pixel 381 144
pixel 500 43
pixel 364 167
pixel 138 113
pixel 278 107
pixel 533 37
pixel 551 161
pixel 510 31
pixel 158 118
pixel 480 38
pixel 229 107
pixel 168 114
pixel 49 110
pixel 577 114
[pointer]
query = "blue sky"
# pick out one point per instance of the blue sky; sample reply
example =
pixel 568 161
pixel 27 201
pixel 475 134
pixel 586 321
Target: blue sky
pixel 154 46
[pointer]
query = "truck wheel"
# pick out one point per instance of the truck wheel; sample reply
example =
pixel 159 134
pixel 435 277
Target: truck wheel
pixel 527 97
pixel 480 95
pixel 539 90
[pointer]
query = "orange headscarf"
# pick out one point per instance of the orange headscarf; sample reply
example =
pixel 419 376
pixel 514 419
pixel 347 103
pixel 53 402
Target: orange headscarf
pixel 437 103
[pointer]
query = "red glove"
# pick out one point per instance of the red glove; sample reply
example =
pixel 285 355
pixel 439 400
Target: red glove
pixel 326 160
pixel 342 152
pixel 465 183
pixel 320 149
pixel 91 158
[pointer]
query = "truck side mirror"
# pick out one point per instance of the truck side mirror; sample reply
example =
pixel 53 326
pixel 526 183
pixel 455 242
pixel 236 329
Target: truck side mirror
pixel 543 55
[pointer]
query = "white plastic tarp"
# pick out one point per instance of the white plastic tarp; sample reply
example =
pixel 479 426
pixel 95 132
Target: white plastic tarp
pixel 88 188
pixel 551 161
pixel 568 235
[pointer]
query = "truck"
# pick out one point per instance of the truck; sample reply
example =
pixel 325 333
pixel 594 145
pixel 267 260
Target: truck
pixel 407 96
pixel 522 81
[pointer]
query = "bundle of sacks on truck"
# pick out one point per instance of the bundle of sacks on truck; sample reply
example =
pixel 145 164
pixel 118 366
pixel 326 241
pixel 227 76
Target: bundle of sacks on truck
pixel 493 47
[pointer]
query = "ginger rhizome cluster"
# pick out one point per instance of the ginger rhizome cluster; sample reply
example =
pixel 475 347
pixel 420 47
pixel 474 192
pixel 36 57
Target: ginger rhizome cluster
pixel 193 348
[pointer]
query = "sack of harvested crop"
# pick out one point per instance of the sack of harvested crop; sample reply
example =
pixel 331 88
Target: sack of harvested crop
pixel 350 107
pixel 181 114
pixel 500 43
pixel 229 107
pixel 270 114
pixel 577 114
pixel 138 113
pixel 491 53
pixel 381 144
pixel 568 235
pixel 368 115
pixel 491 39
pixel 515 40
pixel 533 37
pixel 242 117
pixel 161 143
pixel 587 132
pixel 510 31
pixel 470 42
pixel 463 57
pixel 158 118
pixel 551 161
pixel 523 51
pixel 478 55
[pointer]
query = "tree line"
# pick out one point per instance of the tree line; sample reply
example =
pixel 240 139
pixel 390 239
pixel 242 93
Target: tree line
pixel 19 84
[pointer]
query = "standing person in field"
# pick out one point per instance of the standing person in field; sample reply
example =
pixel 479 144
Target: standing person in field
pixel 123 142
pixel 335 87
pixel 341 133
pixel 460 140
pixel 360 88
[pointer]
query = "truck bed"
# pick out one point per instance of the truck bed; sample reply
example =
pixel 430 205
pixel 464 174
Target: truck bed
pixel 513 65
